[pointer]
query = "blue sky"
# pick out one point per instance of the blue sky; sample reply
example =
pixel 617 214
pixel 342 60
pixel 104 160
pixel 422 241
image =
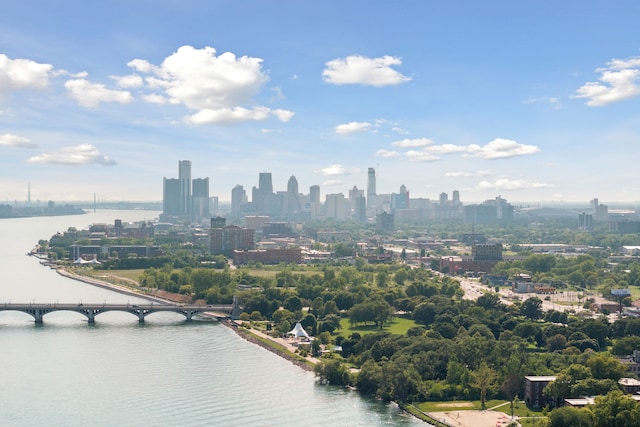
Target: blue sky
pixel 534 101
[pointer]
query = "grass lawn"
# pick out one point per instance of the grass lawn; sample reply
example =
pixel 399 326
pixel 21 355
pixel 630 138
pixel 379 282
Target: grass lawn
pixel 398 325
pixel 520 409
pixel 127 274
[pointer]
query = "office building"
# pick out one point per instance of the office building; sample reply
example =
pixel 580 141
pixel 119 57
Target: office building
pixel 184 175
pixel 293 198
pixel 371 187
pixel 200 199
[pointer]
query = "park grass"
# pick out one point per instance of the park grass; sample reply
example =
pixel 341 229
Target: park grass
pixel 498 405
pixel 127 274
pixel 397 325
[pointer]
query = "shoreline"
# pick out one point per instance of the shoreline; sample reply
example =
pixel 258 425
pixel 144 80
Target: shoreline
pixel 250 335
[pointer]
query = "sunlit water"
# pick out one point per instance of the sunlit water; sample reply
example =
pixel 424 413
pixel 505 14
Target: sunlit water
pixel 165 372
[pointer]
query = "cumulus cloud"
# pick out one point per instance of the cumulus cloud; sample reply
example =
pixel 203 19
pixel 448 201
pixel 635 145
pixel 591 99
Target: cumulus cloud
pixel 336 169
pixel 78 155
pixel 90 95
pixel 22 74
pixel 511 184
pixel 358 69
pixel 421 156
pixel 387 154
pixel 618 81
pixel 9 140
pixel 500 148
pixel 413 143
pixel 131 81
pixel 220 88
pixel 352 127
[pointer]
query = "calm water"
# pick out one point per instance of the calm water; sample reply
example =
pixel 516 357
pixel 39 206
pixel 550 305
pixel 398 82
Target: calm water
pixel 163 373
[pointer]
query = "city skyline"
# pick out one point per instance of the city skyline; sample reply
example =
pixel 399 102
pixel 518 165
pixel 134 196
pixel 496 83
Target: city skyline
pixel 530 102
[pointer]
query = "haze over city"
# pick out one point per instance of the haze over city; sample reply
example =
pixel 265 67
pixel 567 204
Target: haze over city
pixel 533 101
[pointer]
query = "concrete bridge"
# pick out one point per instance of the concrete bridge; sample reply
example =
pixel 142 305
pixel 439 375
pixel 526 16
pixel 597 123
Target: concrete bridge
pixel 38 310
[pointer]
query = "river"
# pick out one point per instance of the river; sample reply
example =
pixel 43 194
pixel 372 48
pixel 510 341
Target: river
pixel 165 372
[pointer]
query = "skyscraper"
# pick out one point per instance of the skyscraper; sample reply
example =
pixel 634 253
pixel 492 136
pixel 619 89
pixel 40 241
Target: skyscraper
pixel 371 187
pixel 238 198
pixel 293 197
pixel 184 174
pixel 171 197
pixel 264 183
pixel 200 198
pixel 314 200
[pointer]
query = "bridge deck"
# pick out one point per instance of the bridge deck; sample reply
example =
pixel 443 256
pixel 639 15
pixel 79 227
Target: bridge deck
pixel 91 310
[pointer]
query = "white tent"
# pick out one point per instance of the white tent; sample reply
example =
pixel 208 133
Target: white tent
pixel 82 261
pixel 298 331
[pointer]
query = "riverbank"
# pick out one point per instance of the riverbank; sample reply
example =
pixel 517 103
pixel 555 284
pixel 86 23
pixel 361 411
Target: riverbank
pixel 111 286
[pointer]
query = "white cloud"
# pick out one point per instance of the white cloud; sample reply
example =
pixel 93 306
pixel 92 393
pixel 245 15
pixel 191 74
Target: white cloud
pixel 78 155
pixel 413 143
pixel 447 149
pixel 352 127
pixel 400 131
pixel 220 88
pixel 236 115
pixel 332 183
pixel 511 184
pixel 154 98
pixel 22 74
pixel 9 140
pixel 358 69
pixel 336 169
pixel 421 156
pixel 501 148
pixel 617 82
pixel 128 82
pixel 90 95
pixel 387 154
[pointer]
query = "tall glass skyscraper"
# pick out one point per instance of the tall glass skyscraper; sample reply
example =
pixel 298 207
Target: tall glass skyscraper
pixel 184 175
pixel 371 187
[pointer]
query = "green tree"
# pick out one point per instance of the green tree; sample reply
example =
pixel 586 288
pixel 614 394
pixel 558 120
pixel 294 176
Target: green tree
pixel 331 371
pixel 615 409
pixel 568 416
pixel 532 308
pixel 482 379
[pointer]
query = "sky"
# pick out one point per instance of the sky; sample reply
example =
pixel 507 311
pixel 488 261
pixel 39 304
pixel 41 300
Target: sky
pixel 536 102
